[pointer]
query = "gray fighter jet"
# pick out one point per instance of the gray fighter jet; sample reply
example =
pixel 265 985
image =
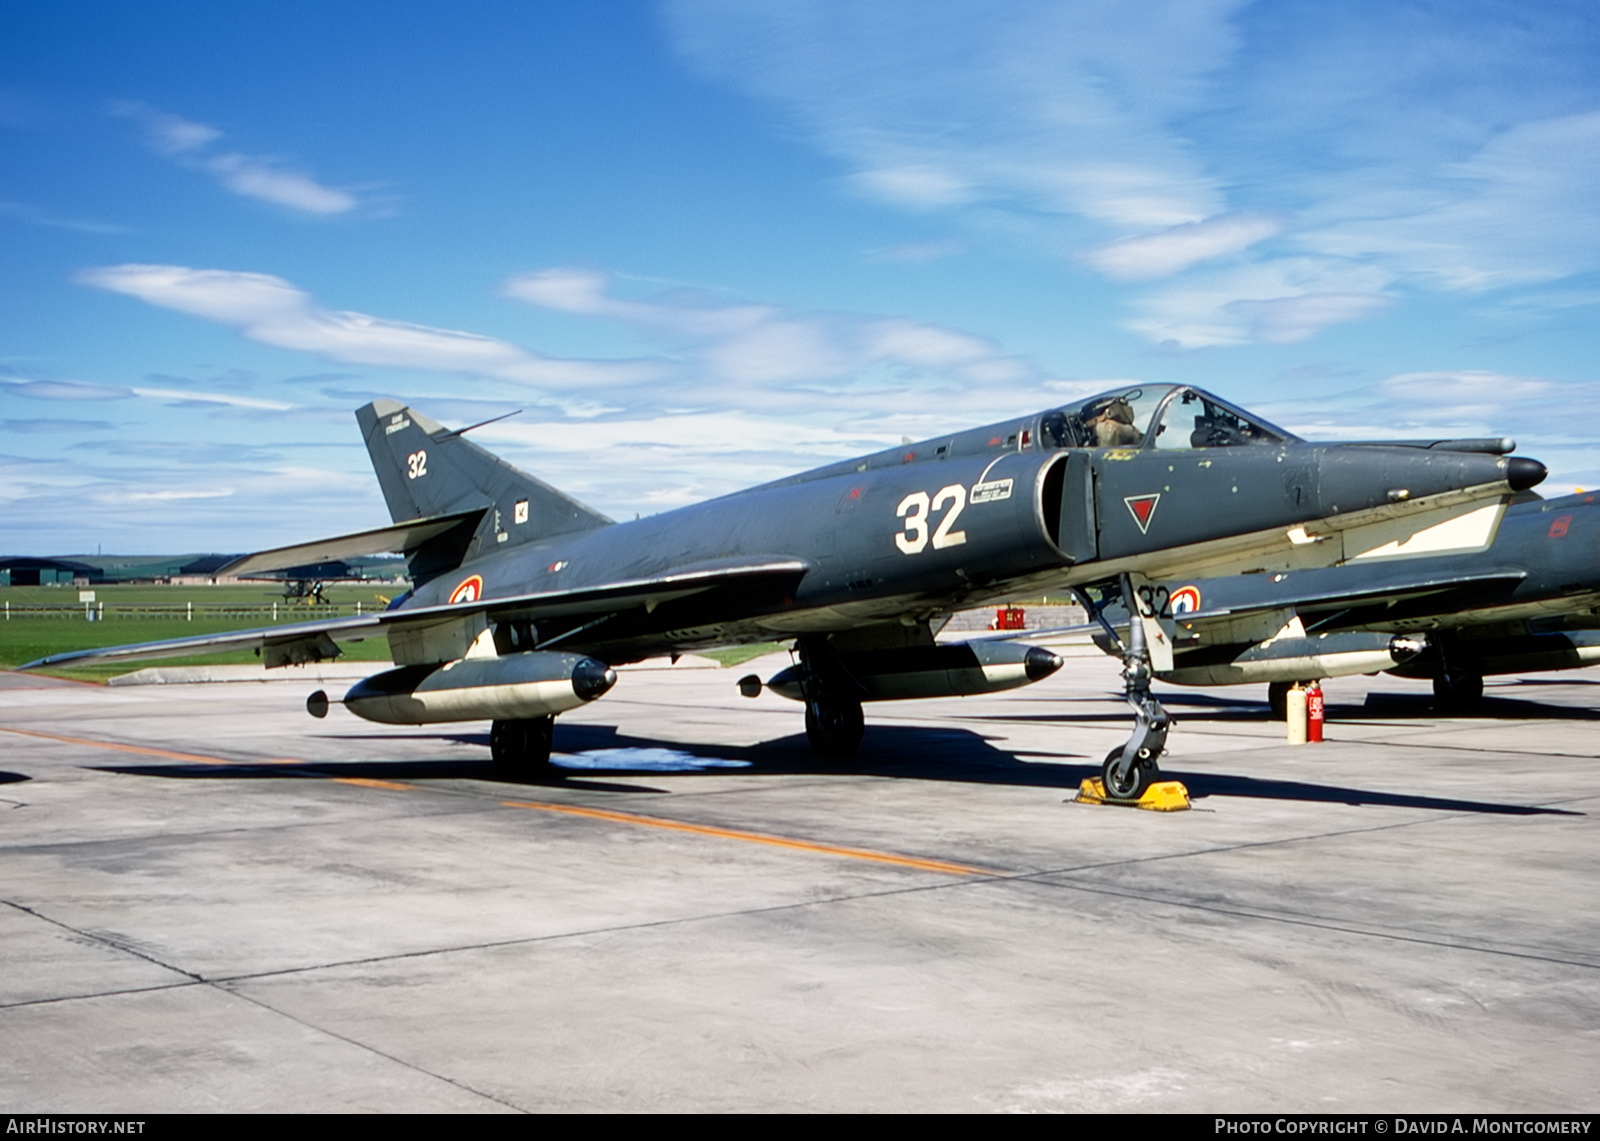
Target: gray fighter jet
pixel 1530 602
pixel 524 599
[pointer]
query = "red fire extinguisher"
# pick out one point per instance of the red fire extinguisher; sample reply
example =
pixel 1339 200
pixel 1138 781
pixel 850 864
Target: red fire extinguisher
pixel 1314 712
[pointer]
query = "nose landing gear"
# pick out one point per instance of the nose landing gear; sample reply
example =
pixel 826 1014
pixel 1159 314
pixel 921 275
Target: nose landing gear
pixel 1130 770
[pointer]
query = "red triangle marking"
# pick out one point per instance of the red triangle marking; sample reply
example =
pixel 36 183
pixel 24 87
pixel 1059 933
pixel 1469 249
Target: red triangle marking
pixel 1143 507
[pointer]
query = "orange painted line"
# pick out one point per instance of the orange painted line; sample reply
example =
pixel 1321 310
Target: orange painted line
pixel 753 838
pixel 565 809
pixel 141 749
pixel 369 782
pixel 145 750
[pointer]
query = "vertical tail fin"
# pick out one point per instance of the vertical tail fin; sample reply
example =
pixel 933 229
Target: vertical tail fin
pixel 426 470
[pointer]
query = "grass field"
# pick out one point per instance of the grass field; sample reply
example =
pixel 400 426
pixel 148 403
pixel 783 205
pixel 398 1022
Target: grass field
pixel 36 621
pixel 243 595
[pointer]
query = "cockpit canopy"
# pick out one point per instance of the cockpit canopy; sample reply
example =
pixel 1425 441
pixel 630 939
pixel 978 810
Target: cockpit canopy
pixel 1164 416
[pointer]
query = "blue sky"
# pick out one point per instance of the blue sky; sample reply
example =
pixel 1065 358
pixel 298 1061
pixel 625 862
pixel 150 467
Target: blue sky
pixel 704 244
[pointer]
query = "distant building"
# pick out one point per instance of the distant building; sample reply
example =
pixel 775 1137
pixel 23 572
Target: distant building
pixel 88 570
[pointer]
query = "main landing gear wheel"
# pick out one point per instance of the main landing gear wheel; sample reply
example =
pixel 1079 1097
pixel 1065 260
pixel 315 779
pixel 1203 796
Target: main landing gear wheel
pixel 1458 691
pixel 1132 786
pixel 834 727
pixel 521 749
pixel 1278 699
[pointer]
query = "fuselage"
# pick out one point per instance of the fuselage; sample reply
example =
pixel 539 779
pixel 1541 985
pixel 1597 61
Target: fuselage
pixel 1020 506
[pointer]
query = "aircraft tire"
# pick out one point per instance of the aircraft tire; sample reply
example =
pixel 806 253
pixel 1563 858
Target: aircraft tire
pixel 521 749
pixel 1458 692
pixel 1139 777
pixel 1278 699
pixel 834 728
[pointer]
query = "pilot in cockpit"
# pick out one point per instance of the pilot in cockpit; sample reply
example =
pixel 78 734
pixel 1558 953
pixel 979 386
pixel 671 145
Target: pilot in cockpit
pixel 1111 425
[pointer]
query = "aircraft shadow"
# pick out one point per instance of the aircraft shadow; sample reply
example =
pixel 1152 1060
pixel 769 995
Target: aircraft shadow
pixel 1201 786
pixel 1496 708
pixel 903 752
pixel 1375 707
pixel 476 768
pixel 906 751
pixel 13 778
pixel 587 754
pixel 1556 681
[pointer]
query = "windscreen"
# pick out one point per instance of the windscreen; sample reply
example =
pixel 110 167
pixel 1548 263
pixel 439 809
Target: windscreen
pixel 1195 419
pixel 1164 416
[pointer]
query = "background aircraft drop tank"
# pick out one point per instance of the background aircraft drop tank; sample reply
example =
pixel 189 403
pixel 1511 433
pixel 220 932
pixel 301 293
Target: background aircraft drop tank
pixel 1316 656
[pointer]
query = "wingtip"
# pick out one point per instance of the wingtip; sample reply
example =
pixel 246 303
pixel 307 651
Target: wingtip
pixel 54 660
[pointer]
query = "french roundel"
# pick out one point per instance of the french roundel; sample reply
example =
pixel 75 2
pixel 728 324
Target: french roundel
pixel 1185 600
pixel 468 591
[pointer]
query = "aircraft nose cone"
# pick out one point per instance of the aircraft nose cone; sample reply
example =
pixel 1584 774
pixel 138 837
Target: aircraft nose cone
pixel 1039 663
pixel 1522 473
pixel 591 678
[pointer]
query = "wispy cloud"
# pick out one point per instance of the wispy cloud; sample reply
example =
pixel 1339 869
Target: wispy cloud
pixel 262 177
pixel 1518 211
pixel 1408 148
pixel 200 499
pixel 133 495
pixel 271 311
pixel 79 390
pixel 914 253
pixel 764 344
pixel 1483 397
pixel 784 366
pixel 1176 249
pixel 65 390
pixel 55 427
pixel 1058 108
pixel 213 398
pixel 1276 302
pixel 37 216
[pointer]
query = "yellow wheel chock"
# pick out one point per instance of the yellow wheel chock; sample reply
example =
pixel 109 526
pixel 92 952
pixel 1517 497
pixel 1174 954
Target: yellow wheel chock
pixel 1161 796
